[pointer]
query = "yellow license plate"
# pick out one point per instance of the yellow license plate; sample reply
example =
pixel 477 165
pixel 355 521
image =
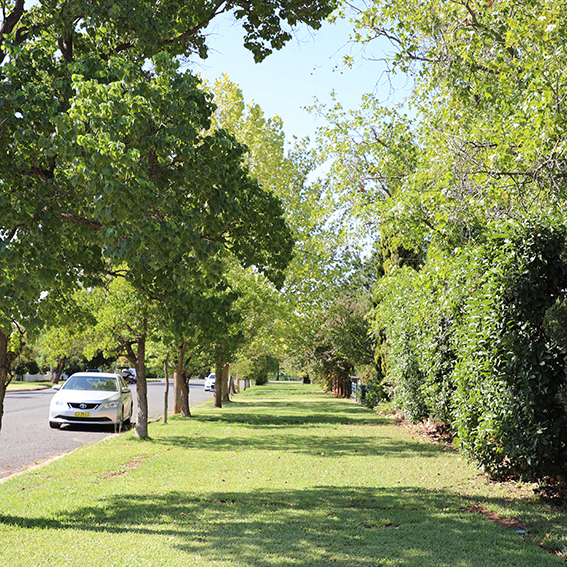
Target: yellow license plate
pixel 82 414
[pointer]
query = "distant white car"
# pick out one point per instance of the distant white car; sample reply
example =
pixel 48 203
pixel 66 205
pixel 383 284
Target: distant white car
pixel 91 397
pixel 210 383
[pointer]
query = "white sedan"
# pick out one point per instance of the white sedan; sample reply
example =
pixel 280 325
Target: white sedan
pixel 91 398
pixel 210 383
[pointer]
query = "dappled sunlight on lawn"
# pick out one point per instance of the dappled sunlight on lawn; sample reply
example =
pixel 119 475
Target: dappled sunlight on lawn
pixel 320 526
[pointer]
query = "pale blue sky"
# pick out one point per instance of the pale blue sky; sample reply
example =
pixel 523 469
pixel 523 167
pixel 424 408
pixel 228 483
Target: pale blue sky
pixel 309 66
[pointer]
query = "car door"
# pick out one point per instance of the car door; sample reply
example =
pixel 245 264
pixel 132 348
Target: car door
pixel 127 400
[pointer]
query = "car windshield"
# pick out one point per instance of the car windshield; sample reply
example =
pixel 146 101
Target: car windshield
pixel 91 383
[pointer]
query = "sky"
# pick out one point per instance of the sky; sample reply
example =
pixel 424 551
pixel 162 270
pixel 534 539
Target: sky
pixel 309 66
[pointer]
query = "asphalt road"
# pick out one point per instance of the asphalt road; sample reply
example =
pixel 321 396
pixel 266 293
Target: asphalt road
pixel 26 438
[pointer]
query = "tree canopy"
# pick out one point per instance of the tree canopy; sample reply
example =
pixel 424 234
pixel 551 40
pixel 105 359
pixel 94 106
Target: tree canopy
pixel 468 198
pixel 108 165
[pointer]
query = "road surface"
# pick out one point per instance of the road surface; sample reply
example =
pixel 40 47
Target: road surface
pixel 26 438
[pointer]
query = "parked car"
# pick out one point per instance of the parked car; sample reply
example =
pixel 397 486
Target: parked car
pixel 91 397
pixel 129 374
pixel 210 383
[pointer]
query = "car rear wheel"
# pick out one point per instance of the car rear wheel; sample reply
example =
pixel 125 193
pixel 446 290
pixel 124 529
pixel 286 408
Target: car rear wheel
pixel 54 425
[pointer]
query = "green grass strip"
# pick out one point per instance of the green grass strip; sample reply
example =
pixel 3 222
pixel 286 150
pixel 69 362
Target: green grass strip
pixel 283 476
pixel 19 386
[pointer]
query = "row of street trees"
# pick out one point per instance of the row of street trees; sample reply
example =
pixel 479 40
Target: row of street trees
pixel 126 194
pixel 109 168
pixel 463 187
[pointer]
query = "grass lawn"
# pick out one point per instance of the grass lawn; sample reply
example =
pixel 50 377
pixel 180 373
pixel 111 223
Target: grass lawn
pixel 15 386
pixel 283 476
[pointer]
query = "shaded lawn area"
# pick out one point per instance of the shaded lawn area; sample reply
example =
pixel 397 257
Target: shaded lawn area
pixel 284 475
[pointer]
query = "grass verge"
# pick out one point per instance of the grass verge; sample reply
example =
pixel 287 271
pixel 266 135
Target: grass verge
pixel 283 476
pixel 21 386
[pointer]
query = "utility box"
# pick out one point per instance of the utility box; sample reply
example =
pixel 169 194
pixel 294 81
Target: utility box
pixel 357 389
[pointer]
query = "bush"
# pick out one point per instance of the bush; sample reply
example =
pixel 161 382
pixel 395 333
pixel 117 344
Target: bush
pixel 261 367
pixel 470 343
pixel 510 376
pixel 26 366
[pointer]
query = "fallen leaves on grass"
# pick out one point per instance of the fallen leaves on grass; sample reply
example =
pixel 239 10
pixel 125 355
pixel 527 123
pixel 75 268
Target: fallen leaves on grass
pixel 125 469
pixel 495 518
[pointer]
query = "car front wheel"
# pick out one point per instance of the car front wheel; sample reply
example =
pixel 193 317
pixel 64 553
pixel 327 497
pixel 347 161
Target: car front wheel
pixel 126 420
pixel 54 425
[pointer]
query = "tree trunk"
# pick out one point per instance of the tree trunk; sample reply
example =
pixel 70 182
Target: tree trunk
pixel 217 398
pixel 225 390
pixel 142 390
pixel 166 393
pixel 4 372
pixel 59 370
pixel 185 409
pixel 178 380
pixel 139 361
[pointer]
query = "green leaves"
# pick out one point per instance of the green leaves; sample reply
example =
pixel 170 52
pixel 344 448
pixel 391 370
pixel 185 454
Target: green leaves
pixel 468 344
pixel 108 164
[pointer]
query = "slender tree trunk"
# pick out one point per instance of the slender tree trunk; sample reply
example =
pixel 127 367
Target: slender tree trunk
pixel 142 390
pixel 166 393
pixel 178 379
pixel 217 398
pixel 185 409
pixel 139 361
pixel 225 390
pixel 4 372
pixel 59 370
pixel 182 385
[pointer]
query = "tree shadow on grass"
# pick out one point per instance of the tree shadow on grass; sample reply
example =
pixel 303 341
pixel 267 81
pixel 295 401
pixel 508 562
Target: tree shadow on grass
pixel 326 446
pixel 322 526
pixel 301 412
pixel 309 422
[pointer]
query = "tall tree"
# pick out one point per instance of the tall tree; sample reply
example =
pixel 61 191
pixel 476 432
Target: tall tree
pixel 318 265
pixel 125 322
pixel 102 157
pixel 469 335
pixel 489 91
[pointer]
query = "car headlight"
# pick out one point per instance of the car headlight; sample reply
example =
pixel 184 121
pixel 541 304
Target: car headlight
pixel 59 403
pixel 110 405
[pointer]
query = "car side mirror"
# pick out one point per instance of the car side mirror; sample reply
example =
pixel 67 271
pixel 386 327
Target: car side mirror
pixel 56 387
pixel 125 390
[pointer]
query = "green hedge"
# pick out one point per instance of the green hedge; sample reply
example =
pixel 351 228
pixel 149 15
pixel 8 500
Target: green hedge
pixel 468 344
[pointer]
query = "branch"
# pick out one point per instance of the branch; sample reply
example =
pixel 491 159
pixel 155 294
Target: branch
pixel 192 31
pixel 378 140
pixel 187 33
pixel 80 220
pixel 9 23
pixel 13 18
pixel 532 174
pixel 167 165
pixel 11 234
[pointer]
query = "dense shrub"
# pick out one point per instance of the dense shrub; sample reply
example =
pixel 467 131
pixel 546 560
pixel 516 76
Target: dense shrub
pixel 470 343
pixel 510 375
pixel 419 311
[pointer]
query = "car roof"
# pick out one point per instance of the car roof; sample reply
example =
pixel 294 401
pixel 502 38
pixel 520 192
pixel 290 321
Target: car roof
pixel 95 375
